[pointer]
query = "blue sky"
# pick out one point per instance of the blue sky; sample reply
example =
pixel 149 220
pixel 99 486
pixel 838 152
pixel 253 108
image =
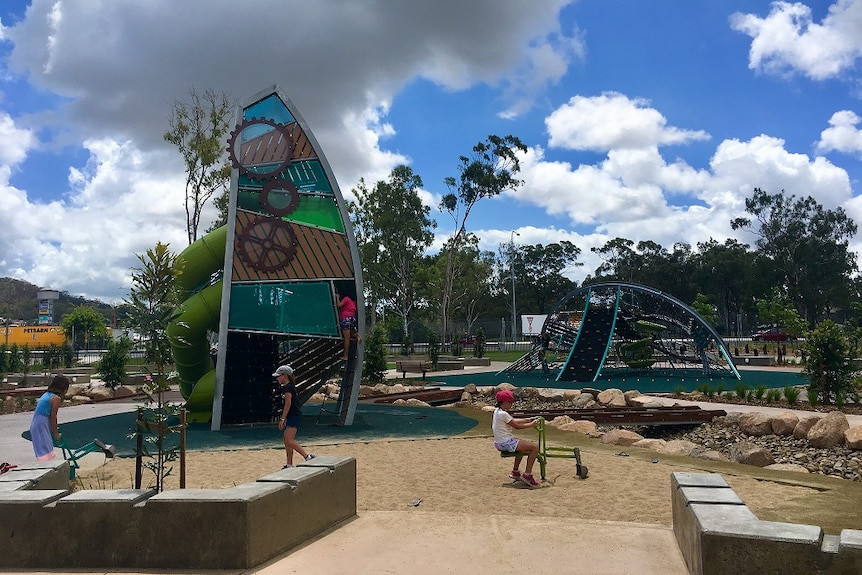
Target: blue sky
pixel 644 120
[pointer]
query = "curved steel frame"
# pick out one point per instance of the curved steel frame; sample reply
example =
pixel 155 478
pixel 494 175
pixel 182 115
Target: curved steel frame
pixel 701 341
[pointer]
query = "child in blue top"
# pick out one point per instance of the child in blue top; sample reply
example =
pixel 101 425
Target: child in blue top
pixel 43 428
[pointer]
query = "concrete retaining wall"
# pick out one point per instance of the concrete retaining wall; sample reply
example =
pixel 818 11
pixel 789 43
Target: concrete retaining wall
pixel 235 528
pixel 718 534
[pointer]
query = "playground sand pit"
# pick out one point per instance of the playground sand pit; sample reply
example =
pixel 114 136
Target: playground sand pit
pixel 466 475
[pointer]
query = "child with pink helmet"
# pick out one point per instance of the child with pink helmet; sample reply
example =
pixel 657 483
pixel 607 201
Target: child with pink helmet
pixel 503 425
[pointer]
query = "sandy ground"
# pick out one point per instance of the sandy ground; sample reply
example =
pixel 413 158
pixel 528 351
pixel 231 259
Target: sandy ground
pixel 466 475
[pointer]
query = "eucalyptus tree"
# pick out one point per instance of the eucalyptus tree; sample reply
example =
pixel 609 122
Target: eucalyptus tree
pixel 724 272
pixel 198 128
pixel 807 245
pixel 488 171
pixel 472 287
pixel 619 260
pixel 540 281
pixel 393 230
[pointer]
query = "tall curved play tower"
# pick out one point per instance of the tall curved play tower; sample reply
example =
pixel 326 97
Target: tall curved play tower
pixel 611 331
pixel 266 282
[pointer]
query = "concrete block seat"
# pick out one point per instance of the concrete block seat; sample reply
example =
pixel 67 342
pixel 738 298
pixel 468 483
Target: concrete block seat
pixel 234 528
pixel 717 534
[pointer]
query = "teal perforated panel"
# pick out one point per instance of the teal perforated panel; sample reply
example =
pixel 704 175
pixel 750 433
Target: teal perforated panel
pixel 291 308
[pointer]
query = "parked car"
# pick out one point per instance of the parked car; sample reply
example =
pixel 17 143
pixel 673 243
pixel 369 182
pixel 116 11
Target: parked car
pixel 772 334
pixel 467 340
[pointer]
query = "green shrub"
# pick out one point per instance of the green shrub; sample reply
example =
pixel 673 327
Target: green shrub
pixel 68 355
pixel 457 348
pixel 14 364
pixel 26 355
pixel 773 395
pixel 678 390
pixel 112 366
pixel 433 348
pixel 479 343
pixel 741 390
pixel 375 355
pixel 719 389
pixel 828 368
pixel 760 391
pixel 406 346
pixel 791 394
pixel 813 396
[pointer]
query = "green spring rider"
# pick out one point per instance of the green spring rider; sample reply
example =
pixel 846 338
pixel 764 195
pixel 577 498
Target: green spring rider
pixel 546 451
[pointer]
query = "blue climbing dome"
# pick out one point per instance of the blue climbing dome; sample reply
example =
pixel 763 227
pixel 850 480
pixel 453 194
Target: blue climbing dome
pixel 614 330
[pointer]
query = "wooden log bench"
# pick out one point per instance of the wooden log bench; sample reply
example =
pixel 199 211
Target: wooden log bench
pixel 413 366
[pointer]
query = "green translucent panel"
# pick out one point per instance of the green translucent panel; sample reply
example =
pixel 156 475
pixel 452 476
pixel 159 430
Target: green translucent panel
pixel 271 108
pixel 290 308
pixel 320 211
pixel 308 176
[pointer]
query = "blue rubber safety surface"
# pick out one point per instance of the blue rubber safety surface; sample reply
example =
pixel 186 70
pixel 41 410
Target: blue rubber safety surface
pixel 371 422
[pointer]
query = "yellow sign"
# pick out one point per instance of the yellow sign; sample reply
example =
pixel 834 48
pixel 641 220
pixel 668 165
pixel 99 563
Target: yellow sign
pixel 33 335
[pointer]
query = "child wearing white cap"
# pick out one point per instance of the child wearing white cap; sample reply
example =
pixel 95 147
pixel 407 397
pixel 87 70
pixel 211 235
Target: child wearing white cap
pixel 291 414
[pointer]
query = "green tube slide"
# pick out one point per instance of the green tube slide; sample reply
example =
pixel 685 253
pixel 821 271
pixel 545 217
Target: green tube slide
pixel 187 332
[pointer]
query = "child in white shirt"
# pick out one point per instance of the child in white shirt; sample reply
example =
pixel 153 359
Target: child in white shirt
pixel 503 424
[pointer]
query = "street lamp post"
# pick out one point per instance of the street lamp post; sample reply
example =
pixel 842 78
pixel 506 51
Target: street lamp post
pixel 512 270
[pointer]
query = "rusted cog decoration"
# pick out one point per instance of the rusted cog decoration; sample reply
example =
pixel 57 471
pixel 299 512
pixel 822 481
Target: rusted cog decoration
pixel 266 151
pixel 275 187
pixel 267 244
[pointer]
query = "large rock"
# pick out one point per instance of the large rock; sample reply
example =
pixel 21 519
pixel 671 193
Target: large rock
pixel 853 437
pixel 787 467
pixel 784 423
pixel 412 402
pixel 755 423
pixel 470 388
pixel 612 397
pixel 560 420
pixel 678 447
pixel 584 401
pixel 829 431
pixel 621 436
pixel 631 394
pixel 76 389
pixel 750 454
pixel 711 455
pixel 805 424
pixel 99 393
pixel 650 443
pixel 124 391
pixel 643 401
pixel 551 394
pixel 506 385
pixel 581 426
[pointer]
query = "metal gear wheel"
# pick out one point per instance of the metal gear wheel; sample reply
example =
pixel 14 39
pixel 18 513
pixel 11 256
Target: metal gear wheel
pixel 278 187
pixel 267 244
pixel 273 147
